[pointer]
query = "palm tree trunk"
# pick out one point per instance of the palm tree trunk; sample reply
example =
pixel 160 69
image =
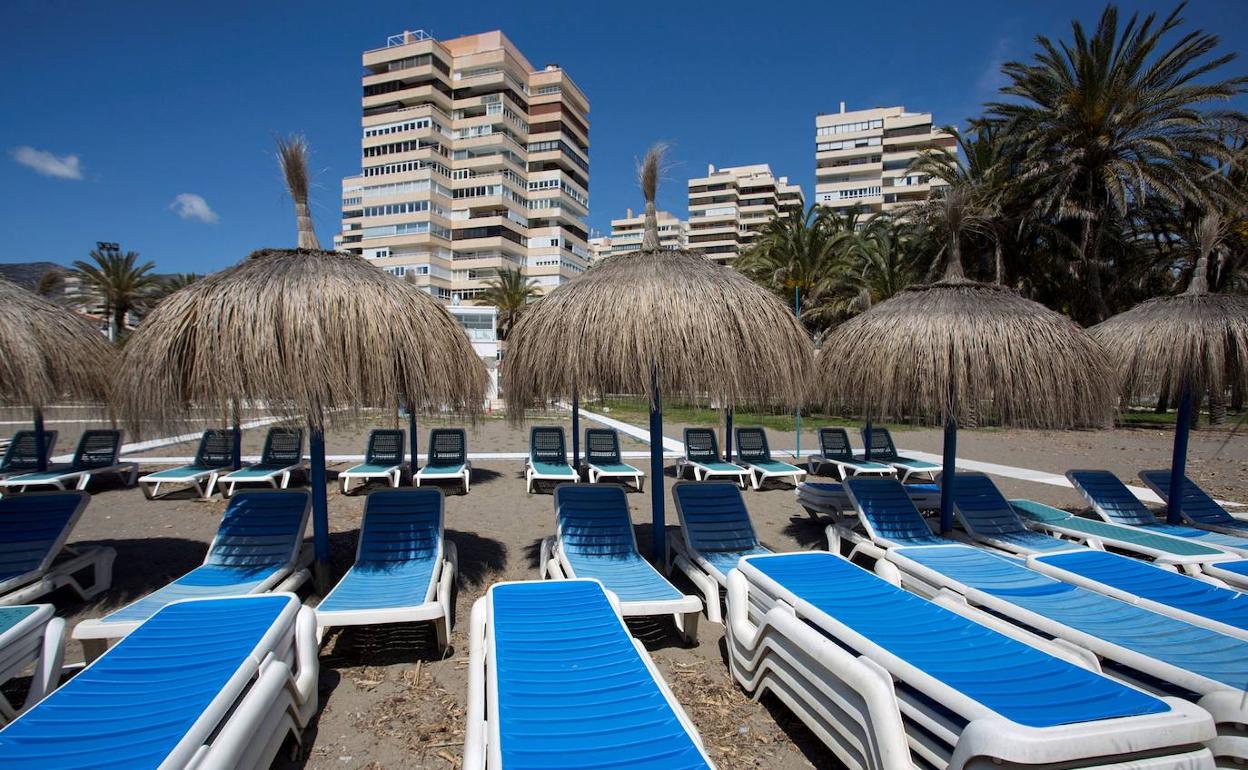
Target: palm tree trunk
pixel 1092 273
pixel 1217 407
pixel 1163 401
pixel 999 259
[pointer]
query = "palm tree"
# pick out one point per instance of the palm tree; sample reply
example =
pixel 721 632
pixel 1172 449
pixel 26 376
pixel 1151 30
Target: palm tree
pixel 119 283
pixel 880 261
pixel 1118 118
pixel 950 213
pixel 52 284
pixel 510 292
pixel 797 255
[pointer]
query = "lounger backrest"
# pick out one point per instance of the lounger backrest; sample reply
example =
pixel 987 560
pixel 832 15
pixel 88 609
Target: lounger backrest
pixel 400 525
pixel 448 446
pixel 385 447
pixel 882 446
pixel 594 521
pixel 34 528
pixel 701 445
pixel 97 449
pixel 261 528
pixel 1112 498
pixel 216 449
pixel 981 507
pixel 886 508
pixel 282 446
pixel 752 445
pixel 1197 505
pixel 713 516
pixel 602 446
pixel 22 454
pixel 546 446
pixel 834 444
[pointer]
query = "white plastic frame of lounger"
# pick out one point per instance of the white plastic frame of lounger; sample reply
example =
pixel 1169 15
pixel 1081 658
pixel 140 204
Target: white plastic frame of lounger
pixel 83 477
pixel 393 475
pixel 481 740
pixel 704 472
pixel 704 575
pixel 790 649
pixel 1228 707
pixel 151 485
pixel 815 463
pixel 278 479
pixel 464 474
pixel 597 474
pixel 37 638
pixel 61 565
pixel 759 475
pixel 531 475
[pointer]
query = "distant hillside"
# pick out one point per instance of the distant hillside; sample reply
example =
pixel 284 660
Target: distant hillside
pixel 27 273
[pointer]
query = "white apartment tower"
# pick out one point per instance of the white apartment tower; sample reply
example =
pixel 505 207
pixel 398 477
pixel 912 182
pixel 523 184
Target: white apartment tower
pixel 728 207
pixel 626 233
pixel 861 157
pixel 472 161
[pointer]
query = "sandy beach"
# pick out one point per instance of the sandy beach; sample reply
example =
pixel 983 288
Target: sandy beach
pixel 388 701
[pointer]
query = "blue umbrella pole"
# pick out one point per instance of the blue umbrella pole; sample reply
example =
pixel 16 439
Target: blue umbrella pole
pixel 1178 461
pixel 658 532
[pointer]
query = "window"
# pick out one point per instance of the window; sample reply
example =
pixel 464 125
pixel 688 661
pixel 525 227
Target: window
pixel 405 166
pixel 407 228
pixel 848 144
pixel 849 128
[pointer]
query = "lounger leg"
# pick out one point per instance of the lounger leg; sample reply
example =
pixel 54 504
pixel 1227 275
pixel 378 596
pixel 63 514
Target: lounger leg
pixel 687 625
pixel 756 480
pixel 134 475
pixel 467 480
pixel 210 487
pixel 149 491
pixel 641 483
pixel 83 481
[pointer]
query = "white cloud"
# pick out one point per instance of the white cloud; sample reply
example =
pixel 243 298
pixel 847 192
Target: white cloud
pixel 44 162
pixel 991 79
pixel 192 206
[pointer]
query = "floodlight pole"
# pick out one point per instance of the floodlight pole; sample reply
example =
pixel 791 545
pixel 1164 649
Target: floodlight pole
pixel 576 432
pixel 658 523
pixel 320 508
pixel 41 443
pixel 1178 460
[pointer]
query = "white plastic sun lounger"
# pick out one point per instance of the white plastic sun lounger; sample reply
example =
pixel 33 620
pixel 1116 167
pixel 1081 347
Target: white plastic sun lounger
pixel 22 454
pixel 715 532
pixel 30 634
pixel 207 683
pixel 755 455
pixel 603 459
pixel 448 457
pixel 883 450
pixel 383 459
pixel 703 460
pixel 404 569
pixel 548 458
pixel 889 680
pixel 1150 650
pixel 282 455
pixel 212 458
pixel 595 540
pixel 97 453
pixel 257 549
pixel 555 681
pixel 835 450
pixel 1198 509
pixel 34 559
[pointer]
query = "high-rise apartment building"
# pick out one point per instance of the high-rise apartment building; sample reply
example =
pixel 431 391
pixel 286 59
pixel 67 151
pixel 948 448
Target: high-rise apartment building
pixel 626 232
pixel 861 157
pixel 728 207
pixel 473 161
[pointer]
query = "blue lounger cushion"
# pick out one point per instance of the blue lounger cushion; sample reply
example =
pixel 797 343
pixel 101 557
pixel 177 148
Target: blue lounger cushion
pixel 885 507
pixel 572 689
pixel 1198 507
pixel 715 523
pixel 1203 652
pixel 135 705
pixel 986 515
pixel 33 528
pixel 1008 677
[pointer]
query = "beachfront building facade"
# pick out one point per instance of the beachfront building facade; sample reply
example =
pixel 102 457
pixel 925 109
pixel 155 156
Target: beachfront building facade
pixel 599 246
pixel 862 157
pixel 729 206
pixel 627 231
pixel 473 161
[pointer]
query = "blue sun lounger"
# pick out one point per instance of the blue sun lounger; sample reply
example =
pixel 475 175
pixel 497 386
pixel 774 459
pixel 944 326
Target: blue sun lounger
pixel 890 680
pixel 22 454
pixel 30 636
pixel 1151 650
pixel 383 459
pixel 548 458
pixel 282 455
pixel 98 452
pixel 404 569
pixel 703 460
pixel 1112 501
pixel 257 549
pixel 595 539
pixel 835 450
pixel 1198 509
pixel 715 532
pixel 34 559
pixel 604 461
pixel 883 450
pixel 754 453
pixel 213 457
pixel 448 457
pixel 556 681
pixel 208 683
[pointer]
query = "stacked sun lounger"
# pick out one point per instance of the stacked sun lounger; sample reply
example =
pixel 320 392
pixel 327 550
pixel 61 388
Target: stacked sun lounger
pixel 30 636
pixel 887 679
pixel 34 557
pixel 207 683
pixel 556 681
pixel 829 498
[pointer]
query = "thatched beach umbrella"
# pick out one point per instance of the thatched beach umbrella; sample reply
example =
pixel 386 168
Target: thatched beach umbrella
pixel 955 348
pixel 313 335
pixel 1180 347
pixel 657 321
pixel 48 353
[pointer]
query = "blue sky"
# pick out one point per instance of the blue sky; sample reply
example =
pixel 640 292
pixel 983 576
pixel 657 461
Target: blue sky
pixel 151 123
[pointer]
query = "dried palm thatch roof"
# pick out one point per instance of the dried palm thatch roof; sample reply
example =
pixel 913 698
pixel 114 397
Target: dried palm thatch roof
pixel 48 353
pixel 707 330
pixel 312 334
pixel 960 348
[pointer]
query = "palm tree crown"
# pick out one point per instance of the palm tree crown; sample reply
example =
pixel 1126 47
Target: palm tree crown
pixel 510 292
pixel 118 282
